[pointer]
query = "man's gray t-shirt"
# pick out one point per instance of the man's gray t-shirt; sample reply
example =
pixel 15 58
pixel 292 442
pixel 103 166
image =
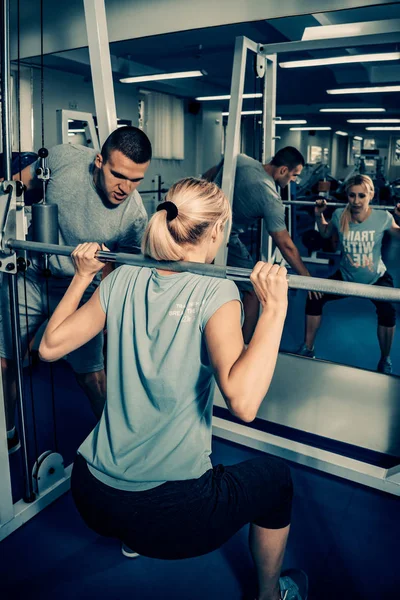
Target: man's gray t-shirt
pixel 255 197
pixel 361 247
pixel 156 425
pixel 82 215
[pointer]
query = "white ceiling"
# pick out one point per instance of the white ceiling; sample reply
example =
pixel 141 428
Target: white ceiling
pixel 299 91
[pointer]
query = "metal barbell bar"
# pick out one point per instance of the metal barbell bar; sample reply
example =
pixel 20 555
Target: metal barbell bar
pixel 333 204
pixel 296 282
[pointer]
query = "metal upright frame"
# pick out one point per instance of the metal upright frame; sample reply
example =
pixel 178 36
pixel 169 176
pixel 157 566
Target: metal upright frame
pixel 8 196
pixel 100 63
pixel 12 516
pixel 232 146
pixel 268 252
pixel 267 68
pixel 63 116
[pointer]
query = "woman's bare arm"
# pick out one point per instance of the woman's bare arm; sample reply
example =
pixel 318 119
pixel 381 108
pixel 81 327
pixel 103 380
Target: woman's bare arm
pixel 244 375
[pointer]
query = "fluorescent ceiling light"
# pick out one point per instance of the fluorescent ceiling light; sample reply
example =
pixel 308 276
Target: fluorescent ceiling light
pixel 365 90
pixel 358 137
pixel 373 120
pixel 291 122
pixel 226 97
pixel 310 128
pixel 340 60
pixel 338 110
pixel 341 133
pixel 162 76
pixel 382 128
pixel 245 112
pixel 347 30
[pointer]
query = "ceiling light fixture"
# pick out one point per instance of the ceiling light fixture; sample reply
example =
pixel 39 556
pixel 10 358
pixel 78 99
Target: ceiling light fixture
pixel 358 137
pixel 373 120
pixel 365 90
pixel 310 128
pixel 382 128
pixel 340 60
pixel 162 76
pixel 341 133
pixel 226 97
pixel 245 112
pixel 349 30
pixel 291 122
pixel 362 110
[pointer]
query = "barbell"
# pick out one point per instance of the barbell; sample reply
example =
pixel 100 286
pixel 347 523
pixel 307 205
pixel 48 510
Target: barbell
pixel 296 282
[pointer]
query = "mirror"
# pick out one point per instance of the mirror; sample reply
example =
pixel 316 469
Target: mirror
pixel 348 333
pixel 301 94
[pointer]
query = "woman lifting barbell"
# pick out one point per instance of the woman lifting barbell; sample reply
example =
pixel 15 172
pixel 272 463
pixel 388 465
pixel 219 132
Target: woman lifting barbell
pixel 144 474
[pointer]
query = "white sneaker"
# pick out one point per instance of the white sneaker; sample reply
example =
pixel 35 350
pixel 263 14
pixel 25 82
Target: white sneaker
pixel 385 365
pixel 304 351
pixel 128 552
pixel 294 585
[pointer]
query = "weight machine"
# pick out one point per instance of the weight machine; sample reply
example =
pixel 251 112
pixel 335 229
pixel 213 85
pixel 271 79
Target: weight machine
pixel 49 478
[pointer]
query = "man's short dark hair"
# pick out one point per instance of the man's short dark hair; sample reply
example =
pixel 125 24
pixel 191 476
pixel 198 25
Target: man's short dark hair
pixel 288 157
pixel 131 141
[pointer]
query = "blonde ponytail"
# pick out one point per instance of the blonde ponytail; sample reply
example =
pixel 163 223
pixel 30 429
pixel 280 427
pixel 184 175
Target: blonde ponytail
pixel 200 205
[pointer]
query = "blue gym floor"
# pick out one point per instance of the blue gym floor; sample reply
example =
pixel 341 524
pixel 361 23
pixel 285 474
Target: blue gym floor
pixel 345 536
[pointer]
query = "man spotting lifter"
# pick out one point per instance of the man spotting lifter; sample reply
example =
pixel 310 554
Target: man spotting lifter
pixel 256 197
pixel 97 200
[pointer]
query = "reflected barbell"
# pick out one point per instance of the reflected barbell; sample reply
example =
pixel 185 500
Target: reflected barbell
pixel 333 204
pixel 296 282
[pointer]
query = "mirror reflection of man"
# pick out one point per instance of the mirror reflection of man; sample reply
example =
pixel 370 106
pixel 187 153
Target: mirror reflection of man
pixel 97 201
pixel 256 197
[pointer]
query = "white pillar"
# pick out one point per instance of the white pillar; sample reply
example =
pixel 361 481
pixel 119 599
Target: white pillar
pixel 100 62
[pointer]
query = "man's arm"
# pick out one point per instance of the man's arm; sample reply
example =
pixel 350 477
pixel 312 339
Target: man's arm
pixel 274 219
pixel 289 251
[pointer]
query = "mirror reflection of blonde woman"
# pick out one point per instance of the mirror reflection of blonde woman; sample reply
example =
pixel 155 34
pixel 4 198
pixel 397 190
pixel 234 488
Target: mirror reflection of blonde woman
pixel 360 229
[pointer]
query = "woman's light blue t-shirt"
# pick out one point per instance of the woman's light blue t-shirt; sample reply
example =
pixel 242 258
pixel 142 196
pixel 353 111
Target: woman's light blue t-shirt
pixel 156 425
pixel 361 247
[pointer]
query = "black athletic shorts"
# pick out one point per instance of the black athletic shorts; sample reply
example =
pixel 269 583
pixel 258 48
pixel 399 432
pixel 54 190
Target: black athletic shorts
pixel 385 311
pixel 183 519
